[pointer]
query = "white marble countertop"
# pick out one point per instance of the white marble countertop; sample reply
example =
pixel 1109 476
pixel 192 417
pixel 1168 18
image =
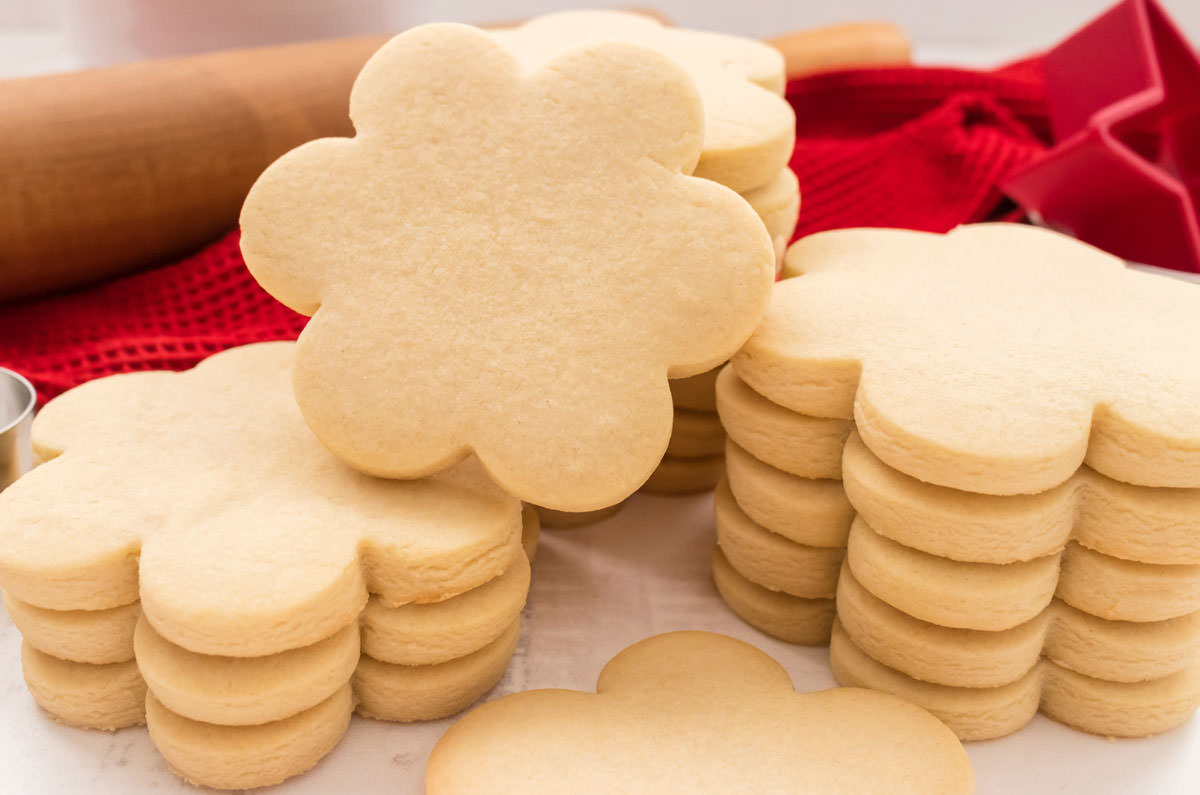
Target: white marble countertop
pixel 595 591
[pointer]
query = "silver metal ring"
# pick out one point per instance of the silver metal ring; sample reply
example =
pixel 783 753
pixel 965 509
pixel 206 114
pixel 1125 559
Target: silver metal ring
pixel 17 399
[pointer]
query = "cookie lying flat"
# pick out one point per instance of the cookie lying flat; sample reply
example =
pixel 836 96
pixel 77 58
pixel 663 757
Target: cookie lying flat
pixel 995 359
pixel 696 434
pixel 810 447
pixel 106 697
pixel 999 596
pixel 778 205
pixel 242 757
pixel 676 713
pixel 808 511
pixel 243 691
pixel 406 693
pixel 88 636
pixel 253 539
pixel 435 633
pixel 1114 709
pixel 1127 590
pixel 414 634
pixel 1117 651
pixel 1152 525
pixel 949 592
pixel 470 310
pixel 685 475
pixel 769 559
pixel 780 615
pixel 749 129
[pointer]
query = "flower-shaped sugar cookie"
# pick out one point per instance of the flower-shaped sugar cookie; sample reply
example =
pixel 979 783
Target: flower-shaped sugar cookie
pixel 694 712
pixel 507 263
pixel 749 128
pixel 994 359
pixel 204 495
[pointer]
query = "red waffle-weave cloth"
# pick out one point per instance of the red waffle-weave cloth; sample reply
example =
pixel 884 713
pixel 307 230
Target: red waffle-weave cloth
pixel 907 147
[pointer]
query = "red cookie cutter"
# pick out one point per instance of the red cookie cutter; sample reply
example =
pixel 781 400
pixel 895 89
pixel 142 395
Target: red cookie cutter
pixel 1124 174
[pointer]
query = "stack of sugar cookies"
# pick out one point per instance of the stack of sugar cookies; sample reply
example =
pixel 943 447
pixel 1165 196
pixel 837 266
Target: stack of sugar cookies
pixel 748 138
pixel 244 554
pixel 1019 502
pixel 781 513
pixel 137 556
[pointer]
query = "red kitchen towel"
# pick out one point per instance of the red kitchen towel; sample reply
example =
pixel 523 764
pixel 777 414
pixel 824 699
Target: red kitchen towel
pixel 908 147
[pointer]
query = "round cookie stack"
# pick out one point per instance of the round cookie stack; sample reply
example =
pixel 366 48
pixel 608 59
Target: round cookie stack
pixel 749 135
pixel 1019 498
pixel 161 596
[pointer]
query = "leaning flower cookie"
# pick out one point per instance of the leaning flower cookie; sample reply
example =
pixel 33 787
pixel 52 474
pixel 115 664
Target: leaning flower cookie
pixel 698 712
pixel 508 262
pixel 188 532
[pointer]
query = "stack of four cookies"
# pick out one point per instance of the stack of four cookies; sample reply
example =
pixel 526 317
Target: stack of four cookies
pixel 261 644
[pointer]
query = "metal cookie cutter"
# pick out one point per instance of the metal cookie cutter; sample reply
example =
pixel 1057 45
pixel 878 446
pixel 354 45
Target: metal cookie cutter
pixel 17 398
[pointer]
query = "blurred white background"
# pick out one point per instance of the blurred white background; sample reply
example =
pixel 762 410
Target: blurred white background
pixel 49 35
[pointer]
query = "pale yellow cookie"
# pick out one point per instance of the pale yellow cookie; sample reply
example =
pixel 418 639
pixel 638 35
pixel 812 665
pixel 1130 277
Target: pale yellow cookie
pixel 430 634
pixel 242 691
pixel 243 757
pixel 998 596
pixel 697 712
pixel 1114 709
pixel 778 205
pixel 697 392
pixel 771 560
pixel 1119 651
pixel 971 713
pixel 426 692
pixel 567 519
pixel 87 696
pixel 932 653
pixel 749 129
pixel 808 511
pixel 87 636
pixel 949 592
pixel 696 434
pixel 789 618
pixel 810 447
pixel 1126 590
pixel 996 359
pixel 1154 525
pixel 458 303
pixel 253 539
pixel 685 475
pixel 1119 709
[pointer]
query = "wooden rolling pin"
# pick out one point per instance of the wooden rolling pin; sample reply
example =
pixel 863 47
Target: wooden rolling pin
pixel 843 47
pixel 110 170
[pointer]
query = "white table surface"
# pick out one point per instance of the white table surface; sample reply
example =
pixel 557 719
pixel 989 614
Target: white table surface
pixel 595 591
